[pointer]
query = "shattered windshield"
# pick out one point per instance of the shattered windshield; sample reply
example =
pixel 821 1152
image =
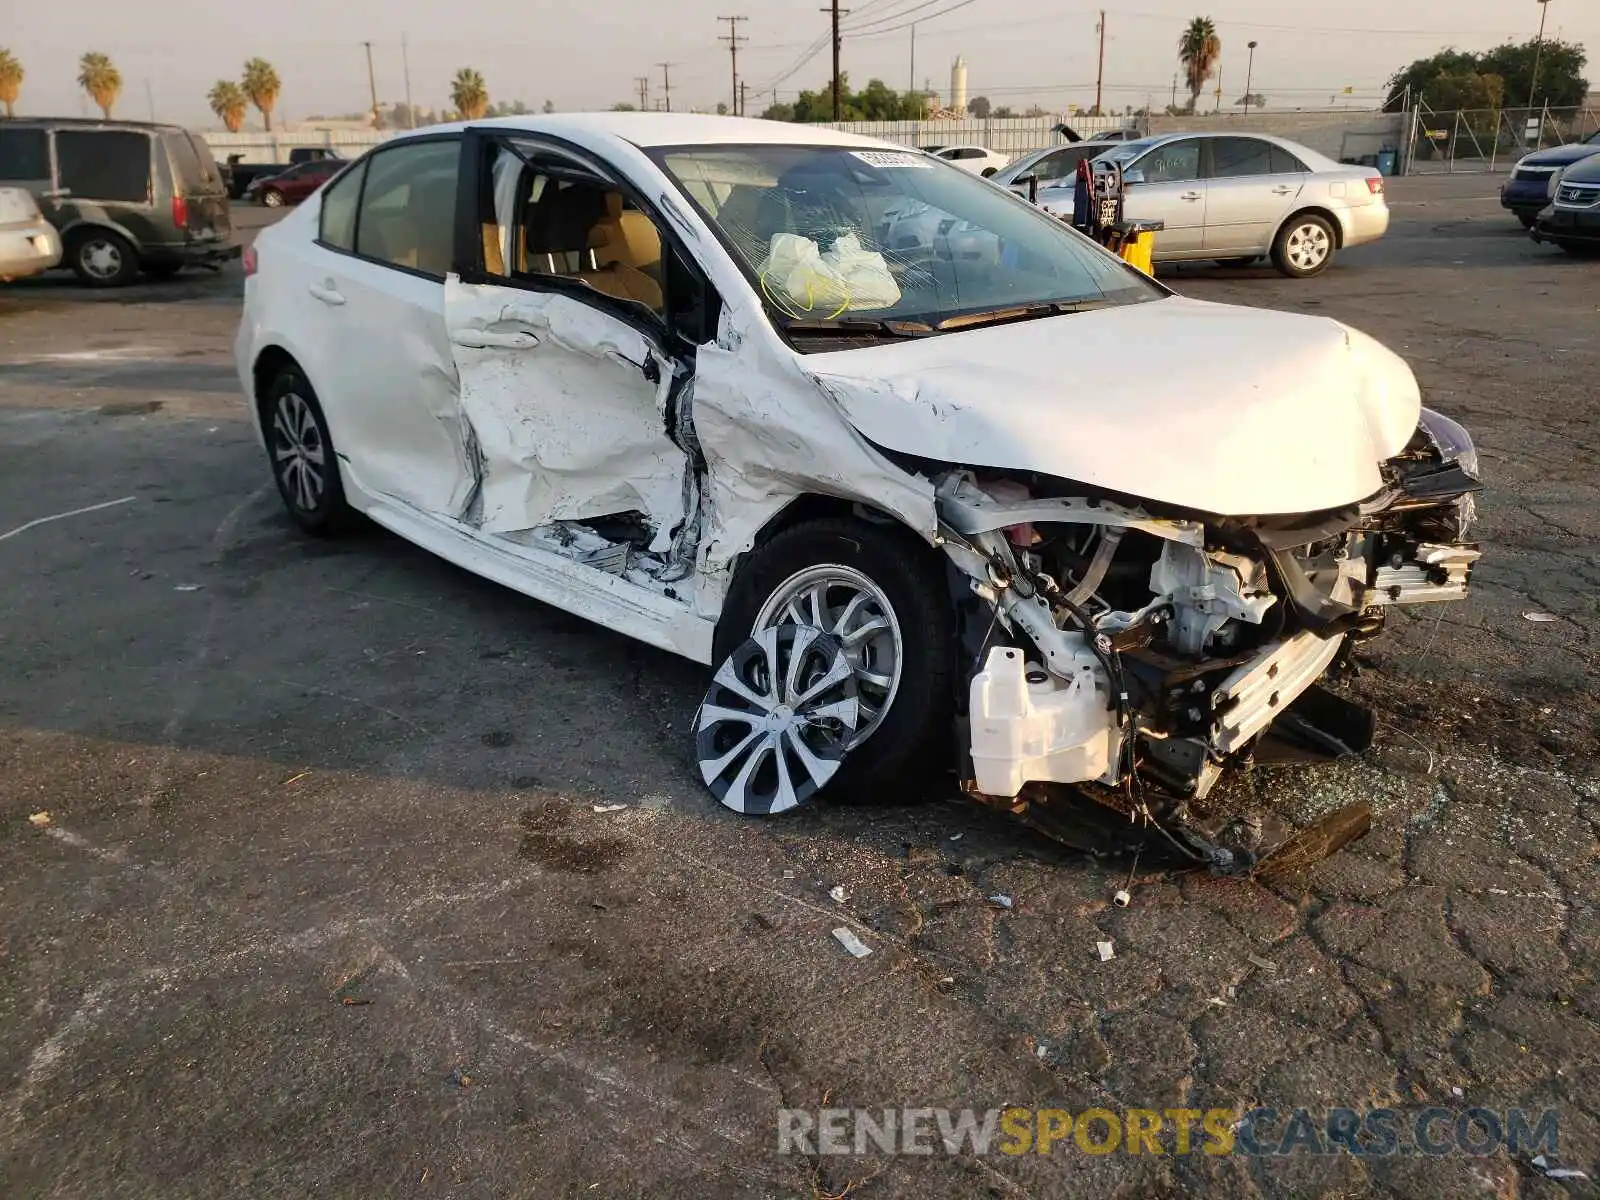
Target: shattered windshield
pixel 891 237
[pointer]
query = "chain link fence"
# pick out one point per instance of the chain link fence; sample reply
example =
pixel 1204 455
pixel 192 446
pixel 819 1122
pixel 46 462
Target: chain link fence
pixel 1466 141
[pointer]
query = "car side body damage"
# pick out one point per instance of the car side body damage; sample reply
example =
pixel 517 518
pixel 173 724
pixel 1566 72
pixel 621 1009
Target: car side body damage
pixel 1147 573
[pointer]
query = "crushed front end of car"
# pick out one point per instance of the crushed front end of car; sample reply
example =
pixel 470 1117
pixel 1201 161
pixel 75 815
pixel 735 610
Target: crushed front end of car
pixel 1137 652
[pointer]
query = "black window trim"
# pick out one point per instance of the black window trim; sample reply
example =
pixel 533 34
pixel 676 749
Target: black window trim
pixel 361 164
pixel 474 204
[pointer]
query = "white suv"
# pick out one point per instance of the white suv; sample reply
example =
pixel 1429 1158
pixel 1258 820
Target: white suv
pixel 661 372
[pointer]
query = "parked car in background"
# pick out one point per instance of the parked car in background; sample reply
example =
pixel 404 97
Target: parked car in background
pixel 1236 197
pixel 977 159
pixel 125 196
pixel 654 369
pixel 1572 219
pixel 28 243
pixel 1050 176
pixel 294 184
pixel 240 175
pixel 1526 190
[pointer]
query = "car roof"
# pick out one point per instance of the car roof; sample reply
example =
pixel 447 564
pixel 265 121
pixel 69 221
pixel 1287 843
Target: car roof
pixel 667 129
pixel 1298 148
pixel 94 123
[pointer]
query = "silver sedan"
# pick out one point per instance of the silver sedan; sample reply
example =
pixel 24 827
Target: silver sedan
pixel 28 243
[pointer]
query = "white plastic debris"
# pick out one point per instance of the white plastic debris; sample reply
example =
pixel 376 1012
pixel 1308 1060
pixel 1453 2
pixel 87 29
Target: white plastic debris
pixel 851 942
pixel 1122 898
pixel 956 837
pixel 838 894
pixel 1106 950
pixel 188 587
pixel 1541 618
pixel 1551 1171
pixel 609 808
pixel 1000 898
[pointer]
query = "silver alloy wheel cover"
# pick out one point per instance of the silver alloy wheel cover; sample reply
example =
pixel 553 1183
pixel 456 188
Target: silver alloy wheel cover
pixel 864 622
pixel 101 257
pixel 298 454
pixel 272 199
pixel 777 720
pixel 1308 246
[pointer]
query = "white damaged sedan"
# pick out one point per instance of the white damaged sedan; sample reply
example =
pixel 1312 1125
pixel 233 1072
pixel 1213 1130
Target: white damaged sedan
pixel 662 372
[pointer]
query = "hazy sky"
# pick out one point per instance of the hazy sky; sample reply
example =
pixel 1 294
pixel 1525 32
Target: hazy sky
pixel 581 55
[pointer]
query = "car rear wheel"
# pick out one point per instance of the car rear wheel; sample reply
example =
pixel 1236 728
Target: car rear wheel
pixel 102 258
pixel 301 451
pixel 882 595
pixel 1304 246
pixel 272 198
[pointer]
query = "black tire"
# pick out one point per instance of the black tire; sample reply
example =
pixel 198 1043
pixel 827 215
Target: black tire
pixel 1295 251
pixel 989 172
pixel 1527 219
pixel 102 258
pixel 291 422
pixel 911 741
pixel 166 270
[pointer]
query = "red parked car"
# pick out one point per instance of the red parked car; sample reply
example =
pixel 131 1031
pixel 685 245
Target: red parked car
pixel 295 184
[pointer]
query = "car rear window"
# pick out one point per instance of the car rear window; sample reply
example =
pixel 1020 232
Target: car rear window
pixel 104 164
pixel 191 159
pixel 24 154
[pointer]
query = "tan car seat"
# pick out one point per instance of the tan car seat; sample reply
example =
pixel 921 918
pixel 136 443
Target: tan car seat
pixel 627 251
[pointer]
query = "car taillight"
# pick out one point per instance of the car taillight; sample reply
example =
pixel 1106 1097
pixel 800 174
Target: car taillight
pixel 1375 184
pixel 180 212
pixel 248 261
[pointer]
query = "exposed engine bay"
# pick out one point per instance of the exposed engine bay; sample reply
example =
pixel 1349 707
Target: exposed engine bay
pixel 1142 652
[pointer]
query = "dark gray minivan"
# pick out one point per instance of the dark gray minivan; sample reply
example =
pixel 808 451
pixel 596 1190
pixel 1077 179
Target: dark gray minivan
pixel 126 196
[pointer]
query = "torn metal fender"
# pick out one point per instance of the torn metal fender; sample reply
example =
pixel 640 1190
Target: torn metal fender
pixel 771 434
pixel 567 421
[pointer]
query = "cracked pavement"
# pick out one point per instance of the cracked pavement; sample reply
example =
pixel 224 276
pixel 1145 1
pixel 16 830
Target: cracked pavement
pixel 324 902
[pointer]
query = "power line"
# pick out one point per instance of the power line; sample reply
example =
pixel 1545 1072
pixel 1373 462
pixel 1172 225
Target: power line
pixel 907 24
pixel 905 12
pixel 734 42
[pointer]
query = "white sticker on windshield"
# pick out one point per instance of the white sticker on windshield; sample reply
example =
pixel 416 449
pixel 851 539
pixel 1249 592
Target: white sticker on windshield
pixel 893 158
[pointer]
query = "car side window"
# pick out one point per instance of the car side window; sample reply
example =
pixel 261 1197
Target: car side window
pixel 24 154
pixel 1284 163
pixel 338 219
pixel 1171 162
pixel 1236 157
pixel 551 221
pixel 407 213
pixel 104 164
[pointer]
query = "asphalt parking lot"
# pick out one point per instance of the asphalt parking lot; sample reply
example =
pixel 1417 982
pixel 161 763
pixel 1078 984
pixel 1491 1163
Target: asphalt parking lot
pixel 325 904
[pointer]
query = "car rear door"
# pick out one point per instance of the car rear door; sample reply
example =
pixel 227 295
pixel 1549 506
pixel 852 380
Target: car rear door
pixel 1254 184
pixel 198 180
pixel 561 338
pixel 1169 186
pixel 381 363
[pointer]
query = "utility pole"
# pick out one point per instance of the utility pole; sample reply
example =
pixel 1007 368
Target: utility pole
pixel 743 90
pixel 666 81
pixel 405 65
pixel 911 84
pixel 1538 49
pixel 150 99
pixel 734 42
pixel 1219 87
pixel 1249 78
pixel 1174 103
pixel 838 97
pixel 372 83
pixel 644 92
pixel 1100 73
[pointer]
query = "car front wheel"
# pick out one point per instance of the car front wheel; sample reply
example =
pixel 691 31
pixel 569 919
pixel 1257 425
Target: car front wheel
pixel 882 594
pixel 304 465
pixel 1304 246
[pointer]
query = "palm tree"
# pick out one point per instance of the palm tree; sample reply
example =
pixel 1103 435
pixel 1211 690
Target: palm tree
pixel 1198 51
pixel 261 86
pixel 228 101
pixel 98 76
pixel 11 74
pixel 469 95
